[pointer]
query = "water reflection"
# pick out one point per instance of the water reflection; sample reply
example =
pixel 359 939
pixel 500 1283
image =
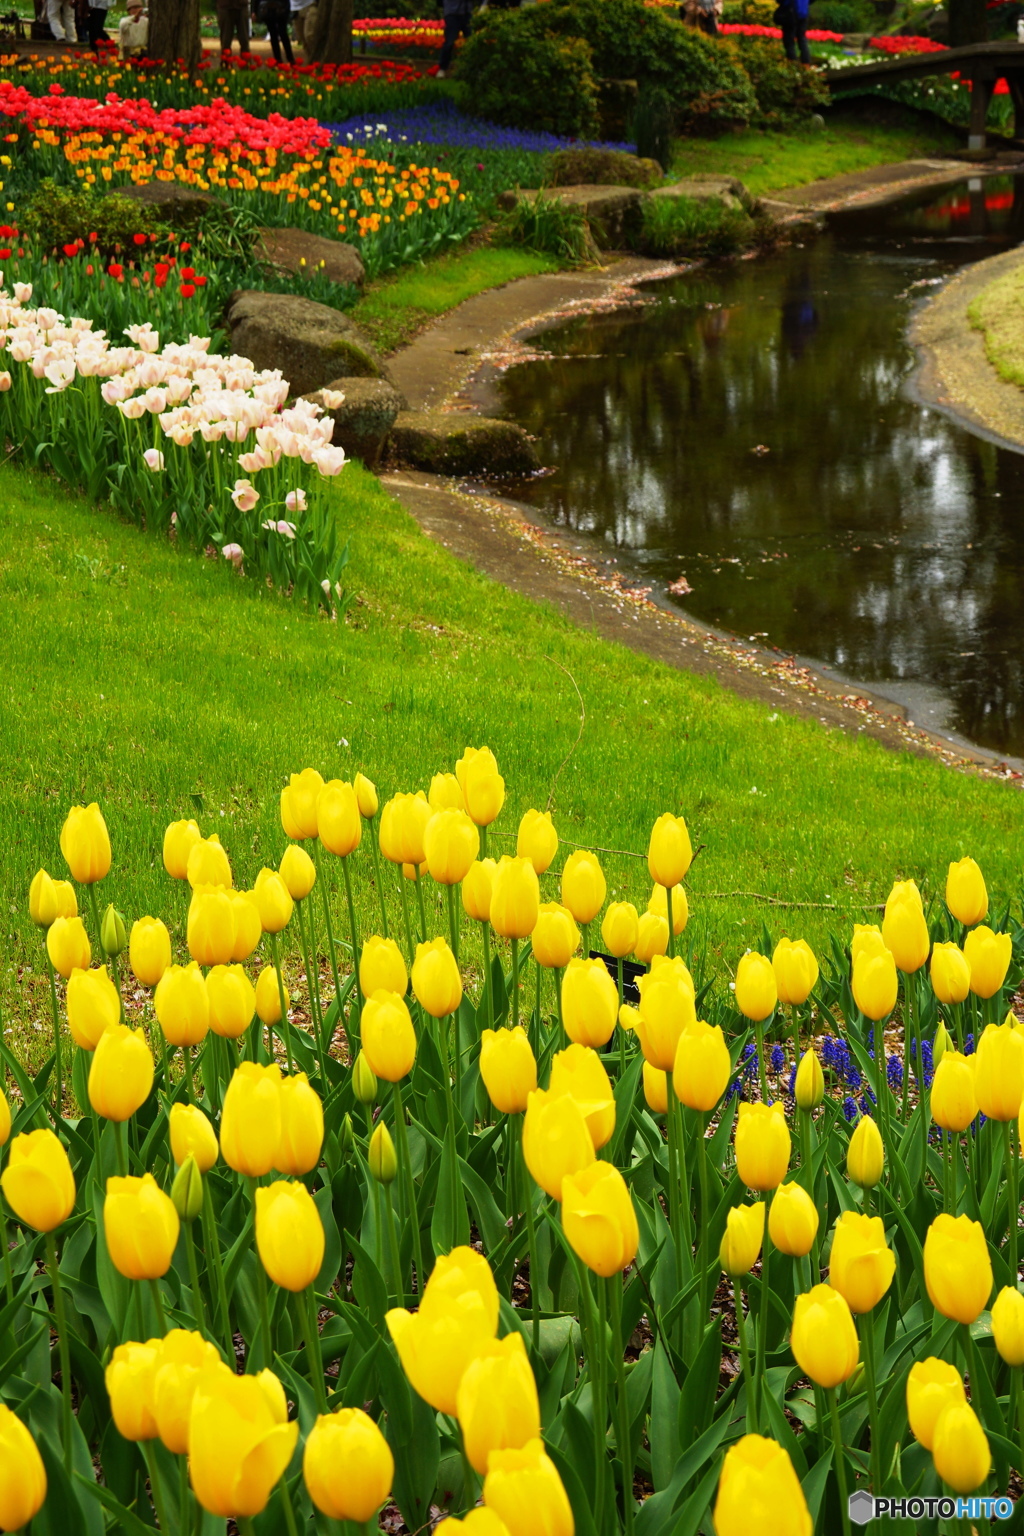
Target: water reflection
pixel 750 432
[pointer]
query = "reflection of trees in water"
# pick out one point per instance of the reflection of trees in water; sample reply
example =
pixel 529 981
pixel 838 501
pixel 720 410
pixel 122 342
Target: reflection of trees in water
pixel 873 500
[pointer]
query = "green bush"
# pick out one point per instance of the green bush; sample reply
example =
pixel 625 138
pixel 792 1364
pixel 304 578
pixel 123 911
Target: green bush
pixel 55 216
pixel 845 16
pixel 601 168
pixel 687 226
pixel 518 71
pixel 551 227
pixel 785 91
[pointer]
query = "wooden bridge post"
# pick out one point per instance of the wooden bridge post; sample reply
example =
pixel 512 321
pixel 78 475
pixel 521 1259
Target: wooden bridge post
pixel 981 95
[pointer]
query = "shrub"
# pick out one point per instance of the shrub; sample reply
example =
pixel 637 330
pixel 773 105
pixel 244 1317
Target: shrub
pixel 687 226
pixel 654 124
pixel 602 168
pixel 518 71
pixel 55 216
pixel 750 13
pixel 546 225
pixel 785 91
pixel 844 16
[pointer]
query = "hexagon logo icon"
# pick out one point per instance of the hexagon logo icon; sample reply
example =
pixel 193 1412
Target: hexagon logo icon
pixel 862 1507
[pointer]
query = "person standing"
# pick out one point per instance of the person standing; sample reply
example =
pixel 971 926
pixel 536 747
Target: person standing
pixel 791 16
pixel 133 32
pixel 276 14
pixel 98 23
pixel 458 21
pixel 61 16
pixel 232 17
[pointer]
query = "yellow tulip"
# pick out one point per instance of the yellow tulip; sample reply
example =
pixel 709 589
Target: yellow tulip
pixel 482 785
pixel 130 1379
pixel 861 1266
pixel 867 941
pixel 38 1184
pixel 339 824
pixel 382 967
pixel 299 804
pixel 347 1465
pixel 793 1221
pixel 590 1002
pixel 250 1124
pixel 302 1127
pixel 666 1009
pixel 950 974
pixel 555 936
pixel 389 1039
pixel 556 1141
pixel 208 864
pixel 655 1089
pixel 1008 1324
pixel 904 929
pixel 182 1005
pixel 451 843
pixel 823 1338
pixel 651 937
pixel 966 896
pixel 298 872
pixel 183 1356
pixel 988 954
pixel 67 945
pixel 445 793
pixel 480 1521
pixel 85 844
pixel 537 841
pixel 515 898
pixel 232 1001
pixel 524 1490
pixel 5 1119
pixel 960 1449
pixel 796 970
pixel 658 904
pixel 435 979
pixel 620 929
pixel 931 1387
pixel 497 1404
pixel 670 852
pixel 67 901
pixel 953 1101
pixel 180 838
pixel 248 928
pixel 875 984
pixel 457 1316
pixel 759 1493
pixel 598 1218
pixel 211 925
pixel 94 1005
pixel 149 950
pixel 999 1071
pixel 742 1239
pixel 508 1068
pixel 702 1066
pixel 42 900
pixel 268 996
pixel 579 1072
pixel 583 886
pixel 865 1156
pixel 141 1227
pixel 240 1442
pixel 756 992
pixel 403 822
pixel 22 1474
pixel 289 1234
pixel 957 1267
pixel 273 900
pixel 476 890
pixel 809 1087
pixel 121 1073
pixel 366 796
pixel 762 1145
pixel 192 1135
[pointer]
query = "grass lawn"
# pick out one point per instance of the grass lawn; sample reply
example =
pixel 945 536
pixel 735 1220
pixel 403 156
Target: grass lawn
pixel 996 313
pixel 164 686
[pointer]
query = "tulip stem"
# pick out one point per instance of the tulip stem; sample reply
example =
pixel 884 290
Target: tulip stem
pixel 453 921
pixel 559 973
pixel 211 1247
pixel 282 997
pixel 973 1369
pixel 1014 1213
pixel 149 1451
pixel 158 1303
pixel 765 1310
pixel 375 852
pixel 536 1041
pixel 672 1192
pixel 316 1361
pixel 867 1322
pixel 599 1405
pixel 122 1161
pixel 837 1441
pixel 393 1259
pixel 63 1346
pixel 622 1433
pixel 410 947
pixel 266 1353
pixel 489 1010
pixel 531 1242
pixel 186 1052
pixel 807 1130
pixel 515 983
pixel 353 1020
pixel 410 1187
pixel 748 1381
pixel 311 978
pixel 193 1278
pixel 908 1014
pixel 702 1170
pixel 183 1510
pixel 329 924
pixel 8 1271
pixel 418 881
pixel 58 1086
pixel 671 924
pixel 761 1071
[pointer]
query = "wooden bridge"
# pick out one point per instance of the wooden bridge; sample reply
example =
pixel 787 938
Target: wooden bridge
pixel 983 64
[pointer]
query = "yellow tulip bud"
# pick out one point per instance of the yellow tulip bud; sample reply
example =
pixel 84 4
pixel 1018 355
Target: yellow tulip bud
pixel 67 945
pixel 364 1082
pixel 759 1491
pixel 451 843
pixel 299 804
pixel 515 898
pixel 598 1218
pixel 389 1039
pixel 670 852
pixel 232 1000
pixel 273 900
pixel 193 1136
pixel 347 1465
pixel 655 1089
pixel 950 974
pixel 141 1227
pixel 179 840
pixel 298 872
pixel 268 996
pixel 537 841
pixel 497 1404
pixel 824 1339
pixel 211 925
pixel 250 1124
pixel 435 979
pixel 456 1318
pixel 22 1474
pixel 954 1102
pixel 579 1072
pixel 289 1234
pixel 366 796
pixel 382 1157
pixel 861 1266
pixel 960 1449
pixel 149 950
pixel 931 1387
pixel 555 936
pixel 583 886
pixel 620 929
pixel 121 1074
pixel 666 1009
pixel 183 1356
pixel 867 941
pixel 38 1184
pixel 793 1221
pixel 482 785
pixel 999 1071
pixel 382 967
pixel 809 1087
pixel 94 1005
pixel 658 905
pixel 476 890
pixel 941 1044
pixel 865 1156
pixel 85 844
pixel 702 1066
pixel 339 824
pixel 182 1005
pixel 248 928
pixel 957 1267
pixel 651 937
pixel 42 900
pixel 1008 1324
pixel 742 1239
pixel 208 864
pixel 445 793
pixel 875 984
pixel 130 1380
pixel 480 1521
pixel 966 896
pixel 524 1490
pixel 240 1442
pixel 796 971
pixel 904 929
pixel 403 823
pixel 756 992
pixel 302 1127
pixel 988 954
pixel 113 934
pixel 67 901
pixel 556 1140
pixel 762 1145
pixel 590 1002
pixel 508 1068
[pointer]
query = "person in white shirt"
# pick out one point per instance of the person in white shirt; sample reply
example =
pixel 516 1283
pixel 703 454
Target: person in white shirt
pixel 61 16
pixel 133 32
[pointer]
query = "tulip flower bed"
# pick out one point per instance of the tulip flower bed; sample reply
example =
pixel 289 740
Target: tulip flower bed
pixel 307 1255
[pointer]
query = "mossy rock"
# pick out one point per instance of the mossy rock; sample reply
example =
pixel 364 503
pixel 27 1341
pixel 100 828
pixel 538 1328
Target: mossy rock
pixel 364 418
pixel 603 168
pixel 450 443
pixel 179 206
pixel 312 344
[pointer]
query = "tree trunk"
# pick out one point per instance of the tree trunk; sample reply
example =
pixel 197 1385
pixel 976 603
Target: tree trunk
pixel 968 22
pixel 174 32
pixel 332 40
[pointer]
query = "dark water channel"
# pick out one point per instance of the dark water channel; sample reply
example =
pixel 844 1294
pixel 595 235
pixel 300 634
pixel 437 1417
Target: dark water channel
pixel 752 431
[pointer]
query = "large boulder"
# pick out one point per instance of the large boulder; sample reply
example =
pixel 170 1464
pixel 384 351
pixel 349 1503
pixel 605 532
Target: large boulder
pixel 311 343
pixel 704 189
pixel 451 443
pixel 602 168
pixel 170 202
pixel 299 252
pixel 613 213
pixel 364 418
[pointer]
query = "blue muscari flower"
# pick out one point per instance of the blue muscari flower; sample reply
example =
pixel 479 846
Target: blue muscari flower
pixel 853 1076
pixel 778 1058
pixel 735 1087
pixel 850 1108
pixel 871 1041
pixel 791 1085
pixel 969 1046
pixel 867 1101
pixel 828 1051
pixel 441 123
pixel 894 1072
pixel 750 1067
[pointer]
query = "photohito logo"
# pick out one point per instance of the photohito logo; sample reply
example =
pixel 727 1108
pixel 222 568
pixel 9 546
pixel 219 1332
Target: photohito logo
pixel 864 1507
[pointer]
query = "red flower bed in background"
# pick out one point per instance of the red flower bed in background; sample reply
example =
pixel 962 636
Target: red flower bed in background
pixel 750 29
pixel 906 45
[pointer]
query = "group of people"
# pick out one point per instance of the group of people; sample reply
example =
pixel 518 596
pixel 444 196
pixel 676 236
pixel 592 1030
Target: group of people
pixel 86 21
pixel 790 18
